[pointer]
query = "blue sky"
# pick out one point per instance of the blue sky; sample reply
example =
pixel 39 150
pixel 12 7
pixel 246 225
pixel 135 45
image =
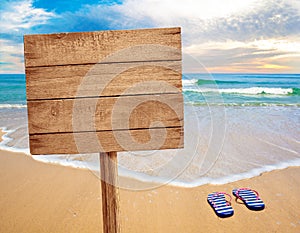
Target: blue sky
pixel 257 36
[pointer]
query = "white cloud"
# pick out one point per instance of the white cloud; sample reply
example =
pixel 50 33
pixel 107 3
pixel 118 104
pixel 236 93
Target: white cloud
pixel 11 56
pixel 9 47
pixel 217 20
pixel 16 18
pixel 22 15
pixel 168 11
pixel 272 55
pixel 276 44
pixel 294 3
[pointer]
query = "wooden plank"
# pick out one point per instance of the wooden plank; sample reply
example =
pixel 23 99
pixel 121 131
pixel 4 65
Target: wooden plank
pixel 103 80
pixel 124 85
pixel 110 193
pixel 106 141
pixel 110 113
pixel 101 46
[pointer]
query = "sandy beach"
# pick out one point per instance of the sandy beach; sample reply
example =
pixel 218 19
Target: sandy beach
pixel 38 197
pixel 190 97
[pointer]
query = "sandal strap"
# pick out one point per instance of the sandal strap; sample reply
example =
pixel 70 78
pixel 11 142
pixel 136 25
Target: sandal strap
pixel 218 194
pixel 241 189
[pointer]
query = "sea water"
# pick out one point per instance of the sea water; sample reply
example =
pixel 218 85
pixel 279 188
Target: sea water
pixel 236 126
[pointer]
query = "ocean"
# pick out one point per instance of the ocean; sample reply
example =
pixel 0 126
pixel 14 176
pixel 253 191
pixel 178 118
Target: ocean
pixel 236 126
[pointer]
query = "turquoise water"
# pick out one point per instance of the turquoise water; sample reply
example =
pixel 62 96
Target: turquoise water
pixel 242 89
pixel 236 126
pixel 12 90
pixel 199 89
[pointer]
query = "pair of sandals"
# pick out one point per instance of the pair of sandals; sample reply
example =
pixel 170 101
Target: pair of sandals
pixel 223 208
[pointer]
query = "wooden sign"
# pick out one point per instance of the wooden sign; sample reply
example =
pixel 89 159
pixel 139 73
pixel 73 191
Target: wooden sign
pixel 104 91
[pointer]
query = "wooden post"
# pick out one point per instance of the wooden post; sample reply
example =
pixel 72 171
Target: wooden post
pixel 110 194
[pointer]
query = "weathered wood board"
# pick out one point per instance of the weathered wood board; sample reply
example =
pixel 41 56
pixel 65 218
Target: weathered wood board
pixel 51 82
pixel 104 91
pixel 68 143
pixel 92 47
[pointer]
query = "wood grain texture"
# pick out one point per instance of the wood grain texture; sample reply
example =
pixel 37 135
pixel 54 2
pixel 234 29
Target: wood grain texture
pixel 95 47
pixel 111 113
pixel 110 192
pixel 103 80
pixel 89 142
pixel 125 85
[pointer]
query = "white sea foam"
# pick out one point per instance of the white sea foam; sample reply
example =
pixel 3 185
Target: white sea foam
pixel 13 106
pixel 65 161
pixel 6 139
pixel 189 82
pixel 249 91
pixel 218 181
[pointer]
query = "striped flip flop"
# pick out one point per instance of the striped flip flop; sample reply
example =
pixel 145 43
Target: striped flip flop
pixel 220 205
pixel 250 198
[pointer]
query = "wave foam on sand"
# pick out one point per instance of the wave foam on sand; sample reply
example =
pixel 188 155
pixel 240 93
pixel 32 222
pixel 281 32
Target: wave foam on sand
pixel 248 146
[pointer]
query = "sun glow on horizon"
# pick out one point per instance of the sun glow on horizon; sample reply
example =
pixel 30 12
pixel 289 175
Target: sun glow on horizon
pixel 273 55
pixel 274 66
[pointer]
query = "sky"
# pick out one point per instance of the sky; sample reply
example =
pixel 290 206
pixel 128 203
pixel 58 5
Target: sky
pixel 223 36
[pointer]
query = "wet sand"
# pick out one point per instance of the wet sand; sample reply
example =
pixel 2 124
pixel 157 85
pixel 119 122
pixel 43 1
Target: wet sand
pixel 37 197
pixel 1 134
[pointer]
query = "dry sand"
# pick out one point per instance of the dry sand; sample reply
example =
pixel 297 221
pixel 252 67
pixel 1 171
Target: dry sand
pixel 37 197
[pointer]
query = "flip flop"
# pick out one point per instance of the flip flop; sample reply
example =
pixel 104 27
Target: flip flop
pixel 220 205
pixel 250 198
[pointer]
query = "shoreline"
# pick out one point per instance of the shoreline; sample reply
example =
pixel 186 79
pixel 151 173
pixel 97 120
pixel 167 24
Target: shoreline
pixel 141 180
pixel 40 197
pixel 2 133
pixel 250 145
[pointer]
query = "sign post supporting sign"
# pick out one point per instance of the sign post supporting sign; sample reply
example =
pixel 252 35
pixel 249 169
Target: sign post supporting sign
pixel 105 91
